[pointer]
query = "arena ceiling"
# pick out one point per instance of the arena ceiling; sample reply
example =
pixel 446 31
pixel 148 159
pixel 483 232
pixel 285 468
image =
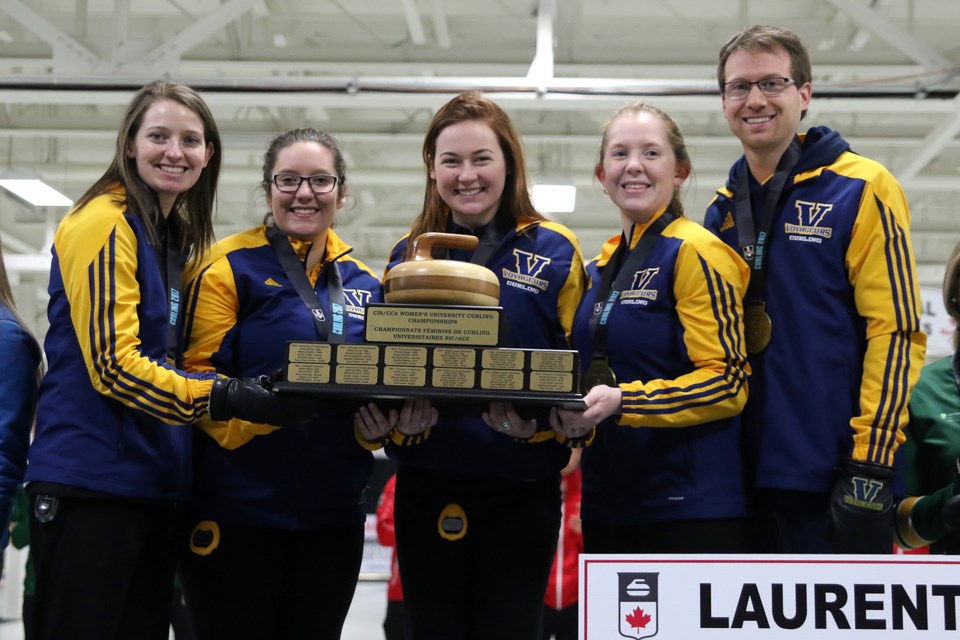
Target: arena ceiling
pixel 373 72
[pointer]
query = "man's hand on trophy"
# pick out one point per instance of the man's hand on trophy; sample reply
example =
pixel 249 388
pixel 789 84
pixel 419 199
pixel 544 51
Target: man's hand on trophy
pixel 503 418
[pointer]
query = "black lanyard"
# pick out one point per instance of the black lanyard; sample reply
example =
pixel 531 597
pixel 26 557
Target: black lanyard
pixel 753 245
pixel 615 280
pixel 168 258
pixel 956 368
pixel 330 328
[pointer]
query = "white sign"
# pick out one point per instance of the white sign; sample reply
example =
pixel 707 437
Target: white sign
pixel 770 597
pixel 936 323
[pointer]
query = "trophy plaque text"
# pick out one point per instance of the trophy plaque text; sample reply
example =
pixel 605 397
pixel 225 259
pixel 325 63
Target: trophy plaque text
pixel 439 352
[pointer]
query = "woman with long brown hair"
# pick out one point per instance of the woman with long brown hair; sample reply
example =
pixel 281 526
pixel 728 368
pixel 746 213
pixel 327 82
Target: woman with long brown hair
pixel 477 498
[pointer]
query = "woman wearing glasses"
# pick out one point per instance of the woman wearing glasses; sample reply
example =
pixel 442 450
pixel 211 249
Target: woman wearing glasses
pixel 276 528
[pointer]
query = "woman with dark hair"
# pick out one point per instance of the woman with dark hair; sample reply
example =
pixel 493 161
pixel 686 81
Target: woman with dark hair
pixel 110 463
pixel 293 497
pixel 477 498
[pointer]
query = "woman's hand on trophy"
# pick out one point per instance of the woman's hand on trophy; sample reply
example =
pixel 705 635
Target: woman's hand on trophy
pixel 601 401
pixel 503 418
pixel 416 416
pixel 372 424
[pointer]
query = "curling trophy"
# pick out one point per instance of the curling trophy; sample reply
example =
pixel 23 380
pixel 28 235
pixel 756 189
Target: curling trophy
pixel 438 335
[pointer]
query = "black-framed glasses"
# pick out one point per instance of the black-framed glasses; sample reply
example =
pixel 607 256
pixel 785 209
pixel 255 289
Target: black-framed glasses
pixel 320 183
pixel 769 87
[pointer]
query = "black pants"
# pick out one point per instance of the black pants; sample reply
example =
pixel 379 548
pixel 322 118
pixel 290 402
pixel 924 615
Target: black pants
pixel 264 584
pixel 560 625
pixel 486 579
pixel 104 568
pixel 785 521
pixel 687 536
pixel 395 622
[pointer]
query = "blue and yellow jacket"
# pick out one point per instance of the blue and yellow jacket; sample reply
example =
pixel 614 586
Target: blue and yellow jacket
pixel 18 388
pixel 242 310
pixel 843 296
pixel 675 343
pixel 109 397
pixel 540 268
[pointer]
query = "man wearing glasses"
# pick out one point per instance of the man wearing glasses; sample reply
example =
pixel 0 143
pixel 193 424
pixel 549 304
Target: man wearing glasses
pixel 832 312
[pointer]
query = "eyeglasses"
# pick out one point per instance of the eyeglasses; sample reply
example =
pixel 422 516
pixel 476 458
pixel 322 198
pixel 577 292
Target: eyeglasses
pixel 769 87
pixel 290 182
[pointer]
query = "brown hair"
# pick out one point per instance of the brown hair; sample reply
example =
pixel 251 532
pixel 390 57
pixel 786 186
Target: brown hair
pixel 6 299
pixel 764 38
pixel 294 136
pixel 951 291
pixel 194 208
pixel 515 203
pixel 674 139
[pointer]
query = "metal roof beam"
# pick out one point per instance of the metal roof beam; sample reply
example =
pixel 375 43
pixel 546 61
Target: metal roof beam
pixel 894 35
pixel 68 54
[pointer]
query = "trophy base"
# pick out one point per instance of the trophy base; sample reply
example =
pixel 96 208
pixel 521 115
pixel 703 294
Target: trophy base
pixel 444 375
pixel 361 394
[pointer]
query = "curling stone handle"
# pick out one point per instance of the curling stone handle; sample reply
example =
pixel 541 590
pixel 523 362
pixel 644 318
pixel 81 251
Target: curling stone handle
pixel 424 244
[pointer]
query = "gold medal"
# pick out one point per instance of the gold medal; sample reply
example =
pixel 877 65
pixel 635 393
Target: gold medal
pixel 599 373
pixel 758 326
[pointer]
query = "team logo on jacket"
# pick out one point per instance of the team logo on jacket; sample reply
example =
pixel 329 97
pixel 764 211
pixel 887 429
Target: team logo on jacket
pixel 809 227
pixel 527 274
pixel 356 301
pixel 640 291
pixel 638 604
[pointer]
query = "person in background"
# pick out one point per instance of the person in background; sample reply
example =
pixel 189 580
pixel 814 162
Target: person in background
pixel 660 336
pixel 478 497
pixel 110 464
pixel 832 312
pixel 930 515
pixel 560 606
pixel 291 498
pixel 394 624
pixel 23 370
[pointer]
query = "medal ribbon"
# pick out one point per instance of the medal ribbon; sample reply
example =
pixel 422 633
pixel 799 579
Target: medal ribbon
pixel 615 280
pixel 330 327
pixel 753 244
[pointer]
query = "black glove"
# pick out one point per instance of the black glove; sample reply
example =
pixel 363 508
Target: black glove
pixel 861 509
pixel 951 508
pixel 254 400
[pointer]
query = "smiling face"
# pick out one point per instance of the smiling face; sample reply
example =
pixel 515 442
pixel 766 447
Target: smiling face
pixel 170 150
pixel 304 214
pixel 764 124
pixel 470 171
pixel 639 169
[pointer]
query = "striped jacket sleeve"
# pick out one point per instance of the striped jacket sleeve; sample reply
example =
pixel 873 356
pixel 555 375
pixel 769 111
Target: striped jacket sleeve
pixel 97 252
pixel 709 286
pixel 883 272
pixel 212 311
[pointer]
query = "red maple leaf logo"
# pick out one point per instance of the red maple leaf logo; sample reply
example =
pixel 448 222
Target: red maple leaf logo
pixel 638 618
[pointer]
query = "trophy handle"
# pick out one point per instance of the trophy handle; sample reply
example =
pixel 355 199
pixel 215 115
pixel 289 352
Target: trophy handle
pixel 424 244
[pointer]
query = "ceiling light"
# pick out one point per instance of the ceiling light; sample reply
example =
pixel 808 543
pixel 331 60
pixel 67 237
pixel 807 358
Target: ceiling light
pixel 36 192
pixel 554 198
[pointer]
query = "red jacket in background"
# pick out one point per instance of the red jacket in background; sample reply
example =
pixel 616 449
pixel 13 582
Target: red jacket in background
pixel 565 573
pixel 388 538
